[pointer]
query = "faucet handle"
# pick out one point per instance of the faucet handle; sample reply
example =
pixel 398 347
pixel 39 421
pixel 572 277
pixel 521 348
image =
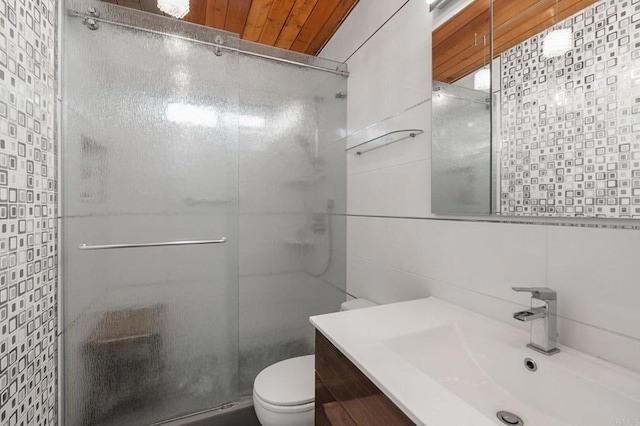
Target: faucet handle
pixel 542 293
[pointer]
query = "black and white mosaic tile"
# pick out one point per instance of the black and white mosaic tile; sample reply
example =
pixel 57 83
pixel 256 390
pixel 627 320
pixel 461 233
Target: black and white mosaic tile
pixel 28 253
pixel 570 126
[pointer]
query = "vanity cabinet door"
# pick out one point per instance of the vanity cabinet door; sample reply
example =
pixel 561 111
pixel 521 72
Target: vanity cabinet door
pixel 345 396
pixel 329 412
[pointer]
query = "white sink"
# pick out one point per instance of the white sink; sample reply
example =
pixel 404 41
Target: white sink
pixel 443 365
pixel 477 366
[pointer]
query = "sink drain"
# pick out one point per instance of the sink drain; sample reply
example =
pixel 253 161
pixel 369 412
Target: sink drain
pixel 509 418
pixel 530 364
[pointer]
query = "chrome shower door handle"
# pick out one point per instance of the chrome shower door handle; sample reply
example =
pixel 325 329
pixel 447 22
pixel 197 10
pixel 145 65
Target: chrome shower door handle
pixel 160 244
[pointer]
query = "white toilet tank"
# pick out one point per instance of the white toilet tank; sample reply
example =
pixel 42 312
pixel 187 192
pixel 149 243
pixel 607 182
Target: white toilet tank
pixel 356 304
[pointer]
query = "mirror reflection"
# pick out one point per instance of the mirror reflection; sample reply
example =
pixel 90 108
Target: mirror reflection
pixel 461 113
pixel 568 111
pixel 565 106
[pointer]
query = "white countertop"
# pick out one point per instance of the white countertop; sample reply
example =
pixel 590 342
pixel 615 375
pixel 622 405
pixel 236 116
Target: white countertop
pixel 361 335
pixel 358 335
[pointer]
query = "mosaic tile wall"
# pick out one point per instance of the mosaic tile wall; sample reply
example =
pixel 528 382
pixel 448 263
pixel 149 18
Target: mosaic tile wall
pixel 570 126
pixel 28 253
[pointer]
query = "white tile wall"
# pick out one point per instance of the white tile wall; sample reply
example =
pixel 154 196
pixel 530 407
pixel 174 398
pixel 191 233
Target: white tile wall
pixel 410 254
pixel 365 19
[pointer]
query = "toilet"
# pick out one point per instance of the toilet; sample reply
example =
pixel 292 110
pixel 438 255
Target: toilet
pixel 284 393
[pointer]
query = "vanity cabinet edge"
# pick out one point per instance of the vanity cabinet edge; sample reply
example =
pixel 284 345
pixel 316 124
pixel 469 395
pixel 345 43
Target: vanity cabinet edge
pixel 345 396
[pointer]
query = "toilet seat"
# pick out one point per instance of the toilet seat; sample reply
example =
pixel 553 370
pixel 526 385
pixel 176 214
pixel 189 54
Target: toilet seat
pixel 284 393
pixel 285 409
pixel 287 383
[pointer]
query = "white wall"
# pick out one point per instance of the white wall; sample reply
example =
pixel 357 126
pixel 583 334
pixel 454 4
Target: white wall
pixel 398 250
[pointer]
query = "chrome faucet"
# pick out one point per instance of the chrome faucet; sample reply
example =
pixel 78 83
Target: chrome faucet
pixel 542 316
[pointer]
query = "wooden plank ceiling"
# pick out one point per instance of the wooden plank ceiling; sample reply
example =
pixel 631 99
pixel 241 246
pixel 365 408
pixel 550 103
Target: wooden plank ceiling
pixel 299 25
pixel 455 52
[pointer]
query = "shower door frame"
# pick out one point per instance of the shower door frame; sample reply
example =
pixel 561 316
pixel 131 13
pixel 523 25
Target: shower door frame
pixel 166 27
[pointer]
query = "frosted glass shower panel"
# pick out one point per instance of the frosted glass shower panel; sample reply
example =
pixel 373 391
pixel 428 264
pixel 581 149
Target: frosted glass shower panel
pixel 292 203
pixel 461 149
pixel 150 125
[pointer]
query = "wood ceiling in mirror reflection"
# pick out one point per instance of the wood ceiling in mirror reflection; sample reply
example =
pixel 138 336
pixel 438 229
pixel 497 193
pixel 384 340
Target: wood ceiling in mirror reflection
pixel 298 25
pixel 458 43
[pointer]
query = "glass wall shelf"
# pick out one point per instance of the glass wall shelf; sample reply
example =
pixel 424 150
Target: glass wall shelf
pixel 383 140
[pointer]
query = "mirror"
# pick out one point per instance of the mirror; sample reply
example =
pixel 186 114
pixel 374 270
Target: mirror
pixel 565 109
pixel 461 113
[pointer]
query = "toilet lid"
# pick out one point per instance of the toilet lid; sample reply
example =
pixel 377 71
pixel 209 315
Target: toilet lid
pixel 288 382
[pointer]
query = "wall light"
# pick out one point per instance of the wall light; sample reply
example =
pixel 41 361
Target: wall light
pixel 175 8
pixel 482 79
pixel 557 43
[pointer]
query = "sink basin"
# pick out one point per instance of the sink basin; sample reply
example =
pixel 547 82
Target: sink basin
pixel 446 366
pixel 479 366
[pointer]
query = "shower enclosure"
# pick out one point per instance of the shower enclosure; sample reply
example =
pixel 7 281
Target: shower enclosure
pixel 461 150
pixel 202 209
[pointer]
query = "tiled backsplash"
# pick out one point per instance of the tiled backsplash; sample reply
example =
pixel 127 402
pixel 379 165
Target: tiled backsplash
pixel 569 125
pixel 28 253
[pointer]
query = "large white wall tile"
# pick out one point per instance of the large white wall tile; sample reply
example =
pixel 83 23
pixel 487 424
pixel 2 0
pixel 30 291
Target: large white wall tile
pixel 408 189
pixel 603 344
pixel 401 190
pixel 595 272
pixel 392 71
pixel 366 193
pixel 424 248
pixel 364 20
pixel 505 255
pixel 381 283
pixel 406 74
pixel 368 238
pixel 366 88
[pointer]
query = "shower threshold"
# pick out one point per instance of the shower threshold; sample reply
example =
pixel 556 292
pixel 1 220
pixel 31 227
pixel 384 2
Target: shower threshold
pixel 239 413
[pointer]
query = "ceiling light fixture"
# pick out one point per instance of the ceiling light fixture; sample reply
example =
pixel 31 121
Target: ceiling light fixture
pixel 175 8
pixel 558 41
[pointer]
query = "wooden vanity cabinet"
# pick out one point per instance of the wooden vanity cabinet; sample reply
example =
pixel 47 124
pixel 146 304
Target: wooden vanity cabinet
pixel 345 396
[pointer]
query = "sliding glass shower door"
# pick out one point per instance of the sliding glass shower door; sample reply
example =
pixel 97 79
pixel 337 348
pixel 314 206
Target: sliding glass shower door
pixel 149 219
